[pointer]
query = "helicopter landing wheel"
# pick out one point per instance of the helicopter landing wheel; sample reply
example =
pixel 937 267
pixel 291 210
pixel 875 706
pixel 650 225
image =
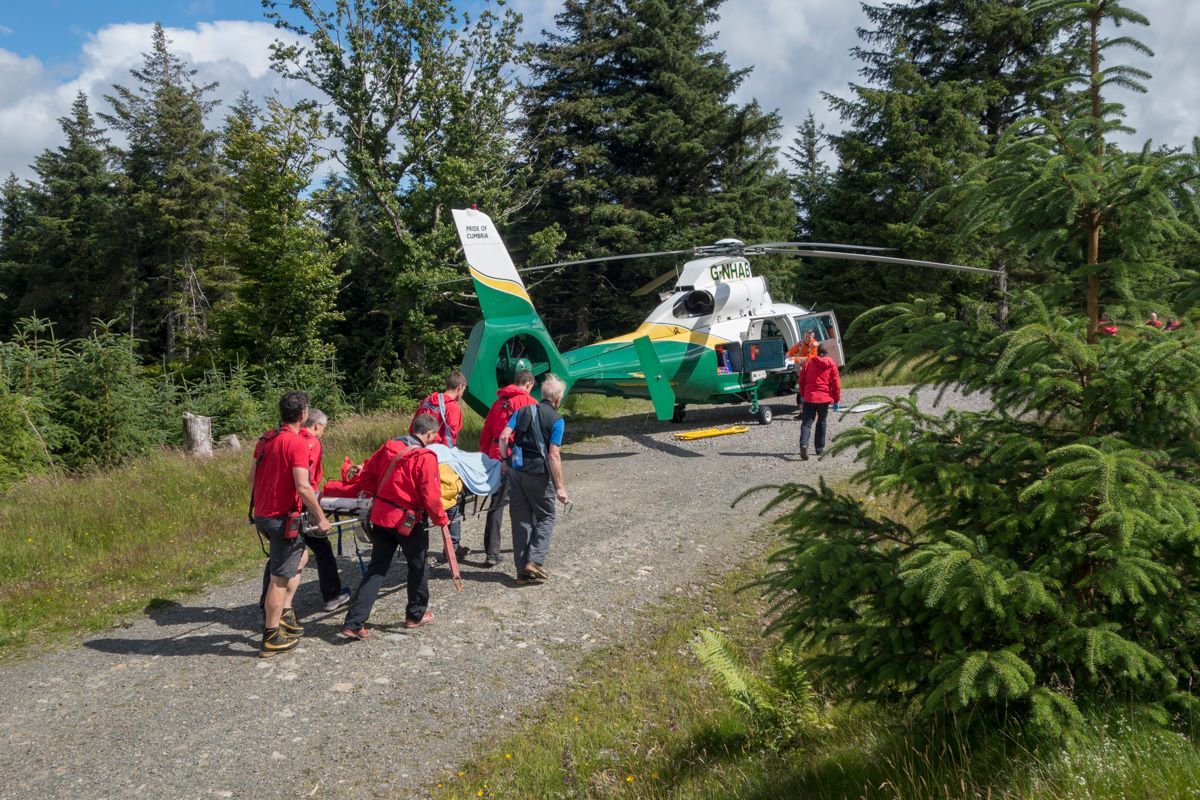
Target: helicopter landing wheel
pixel 679 414
pixel 763 415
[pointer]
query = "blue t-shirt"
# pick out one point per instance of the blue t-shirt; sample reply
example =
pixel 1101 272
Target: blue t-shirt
pixel 556 433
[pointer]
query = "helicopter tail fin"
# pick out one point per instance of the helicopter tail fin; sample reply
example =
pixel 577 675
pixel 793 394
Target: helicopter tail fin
pixel 511 332
pixel 661 393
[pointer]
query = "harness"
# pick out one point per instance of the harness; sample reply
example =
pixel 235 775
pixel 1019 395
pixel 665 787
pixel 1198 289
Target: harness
pixel 440 410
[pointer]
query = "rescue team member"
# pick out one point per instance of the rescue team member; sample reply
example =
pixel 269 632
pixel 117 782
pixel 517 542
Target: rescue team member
pixel 328 577
pixel 404 477
pixel 508 400
pixel 820 386
pixel 279 483
pixel 536 478
pixel 444 406
pixel 1107 326
pixel 800 353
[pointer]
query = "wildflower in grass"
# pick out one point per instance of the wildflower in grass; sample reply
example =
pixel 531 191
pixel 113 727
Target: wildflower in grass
pixel 629 779
pixel 508 756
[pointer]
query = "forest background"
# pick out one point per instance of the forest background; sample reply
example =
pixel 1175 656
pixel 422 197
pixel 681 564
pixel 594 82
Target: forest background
pixel 202 264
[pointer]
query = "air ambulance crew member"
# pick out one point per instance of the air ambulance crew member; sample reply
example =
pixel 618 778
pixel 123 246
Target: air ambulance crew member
pixel 820 386
pixel 800 353
pixel 328 577
pixel 280 483
pixel 408 498
pixel 508 400
pixel 535 479
pixel 444 407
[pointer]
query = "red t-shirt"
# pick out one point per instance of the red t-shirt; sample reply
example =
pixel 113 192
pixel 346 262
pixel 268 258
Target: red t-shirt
pixel 314 457
pixel 413 484
pixel 275 455
pixel 508 400
pixel 452 424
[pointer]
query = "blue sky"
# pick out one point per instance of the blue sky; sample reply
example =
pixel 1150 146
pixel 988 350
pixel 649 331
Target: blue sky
pixel 51 49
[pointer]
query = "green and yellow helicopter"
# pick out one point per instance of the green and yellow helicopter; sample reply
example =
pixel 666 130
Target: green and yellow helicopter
pixel 716 337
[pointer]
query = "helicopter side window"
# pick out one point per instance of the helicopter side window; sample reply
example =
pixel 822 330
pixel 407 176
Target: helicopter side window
pixel 696 303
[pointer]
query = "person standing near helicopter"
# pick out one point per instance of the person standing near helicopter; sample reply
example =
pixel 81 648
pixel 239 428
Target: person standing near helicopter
pixel 820 387
pixel 800 353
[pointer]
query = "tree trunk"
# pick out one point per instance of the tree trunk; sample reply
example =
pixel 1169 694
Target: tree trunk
pixel 197 435
pixel 1002 303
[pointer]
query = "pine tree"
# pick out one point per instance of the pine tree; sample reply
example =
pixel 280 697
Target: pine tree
pixel 16 246
pixel 640 148
pixel 69 277
pixel 174 189
pixel 810 176
pixel 1039 557
pixel 284 300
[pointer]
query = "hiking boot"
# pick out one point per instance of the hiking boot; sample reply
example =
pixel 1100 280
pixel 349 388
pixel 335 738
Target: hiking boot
pixel 536 571
pixel 277 641
pixel 461 552
pixel 527 580
pixel 491 561
pixel 803 453
pixel 290 624
pixel 425 620
pixel 357 634
pixel 339 601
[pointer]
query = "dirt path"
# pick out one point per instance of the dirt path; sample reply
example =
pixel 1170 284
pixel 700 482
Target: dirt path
pixel 179 706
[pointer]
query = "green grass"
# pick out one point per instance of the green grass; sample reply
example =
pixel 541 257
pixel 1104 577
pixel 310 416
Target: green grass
pixel 81 553
pixel 586 407
pixel 644 721
pixel 871 377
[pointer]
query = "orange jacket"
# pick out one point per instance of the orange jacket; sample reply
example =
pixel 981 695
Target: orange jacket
pixel 802 350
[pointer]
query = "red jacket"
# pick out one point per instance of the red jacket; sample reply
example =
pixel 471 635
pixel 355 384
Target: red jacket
pixel 820 381
pixel 508 400
pixel 452 424
pixel 413 484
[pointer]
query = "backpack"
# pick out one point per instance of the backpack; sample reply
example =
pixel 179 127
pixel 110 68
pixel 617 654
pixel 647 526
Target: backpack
pixel 438 411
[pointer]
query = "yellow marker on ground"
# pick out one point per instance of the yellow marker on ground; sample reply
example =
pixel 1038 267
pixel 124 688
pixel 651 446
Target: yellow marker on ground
pixel 707 433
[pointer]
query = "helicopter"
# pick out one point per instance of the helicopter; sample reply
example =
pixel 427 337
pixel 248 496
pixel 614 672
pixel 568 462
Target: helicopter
pixel 717 336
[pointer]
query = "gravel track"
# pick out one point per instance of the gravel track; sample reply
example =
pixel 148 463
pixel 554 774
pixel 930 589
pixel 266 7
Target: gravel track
pixel 178 705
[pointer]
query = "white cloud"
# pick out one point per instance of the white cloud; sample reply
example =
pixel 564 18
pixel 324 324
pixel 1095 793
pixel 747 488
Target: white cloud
pixel 233 53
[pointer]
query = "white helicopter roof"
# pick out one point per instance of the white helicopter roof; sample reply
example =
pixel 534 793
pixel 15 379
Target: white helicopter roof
pixel 705 273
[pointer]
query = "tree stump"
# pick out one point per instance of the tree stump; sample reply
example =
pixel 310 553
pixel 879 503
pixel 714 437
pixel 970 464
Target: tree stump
pixel 197 435
pixel 230 441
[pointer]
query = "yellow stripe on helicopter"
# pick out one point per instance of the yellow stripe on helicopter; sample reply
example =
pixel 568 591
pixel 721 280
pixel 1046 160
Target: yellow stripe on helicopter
pixel 502 285
pixel 659 332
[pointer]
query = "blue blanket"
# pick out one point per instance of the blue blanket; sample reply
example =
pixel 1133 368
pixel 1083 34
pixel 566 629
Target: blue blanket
pixel 480 474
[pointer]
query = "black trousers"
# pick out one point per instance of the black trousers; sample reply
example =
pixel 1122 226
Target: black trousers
pixel 495 521
pixel 328 577
pixel 818 412
pixel 384 543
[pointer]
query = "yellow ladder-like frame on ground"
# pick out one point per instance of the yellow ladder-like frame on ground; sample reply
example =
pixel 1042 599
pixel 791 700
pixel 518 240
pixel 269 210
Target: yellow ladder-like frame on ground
pixel 707 433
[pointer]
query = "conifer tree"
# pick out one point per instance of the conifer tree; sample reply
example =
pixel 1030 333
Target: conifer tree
pixel 69 277
pixel 285 293
pixel 1042 557
pixel 174 189
pixel 641 148
pixel 810 176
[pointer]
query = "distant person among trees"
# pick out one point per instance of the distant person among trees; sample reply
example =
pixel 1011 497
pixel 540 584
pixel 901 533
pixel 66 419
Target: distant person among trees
pixel 404 478
pixel 328 577
pixel 1154 321
pixel 1107 326
pixel 536 478
pixel 800 353
pixel 281 487
pixel 1173 325
pixel 820 387
pixel 444 407
pixel 509 400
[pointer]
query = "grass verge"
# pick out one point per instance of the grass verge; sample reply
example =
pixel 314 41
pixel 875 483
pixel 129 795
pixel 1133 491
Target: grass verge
pixel 644 721
pixel 82 552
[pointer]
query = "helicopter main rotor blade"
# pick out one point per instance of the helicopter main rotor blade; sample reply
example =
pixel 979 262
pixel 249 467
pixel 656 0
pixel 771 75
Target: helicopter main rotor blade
pixel 689 251
pixel 647 288
pixel 910 262
pixel 819 244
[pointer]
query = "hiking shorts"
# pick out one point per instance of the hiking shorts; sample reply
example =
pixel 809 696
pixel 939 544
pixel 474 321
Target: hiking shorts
pixel 284 555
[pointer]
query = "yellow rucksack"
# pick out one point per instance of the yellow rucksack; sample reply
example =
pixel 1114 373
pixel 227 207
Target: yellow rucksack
pixel 451 485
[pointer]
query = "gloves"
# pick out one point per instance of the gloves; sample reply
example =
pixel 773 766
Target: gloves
pixel 836 405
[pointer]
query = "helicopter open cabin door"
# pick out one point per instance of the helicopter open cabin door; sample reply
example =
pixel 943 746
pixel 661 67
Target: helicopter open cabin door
pixel 824 326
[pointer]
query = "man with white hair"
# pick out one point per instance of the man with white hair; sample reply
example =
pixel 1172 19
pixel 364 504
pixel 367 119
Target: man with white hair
pixel 536 480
